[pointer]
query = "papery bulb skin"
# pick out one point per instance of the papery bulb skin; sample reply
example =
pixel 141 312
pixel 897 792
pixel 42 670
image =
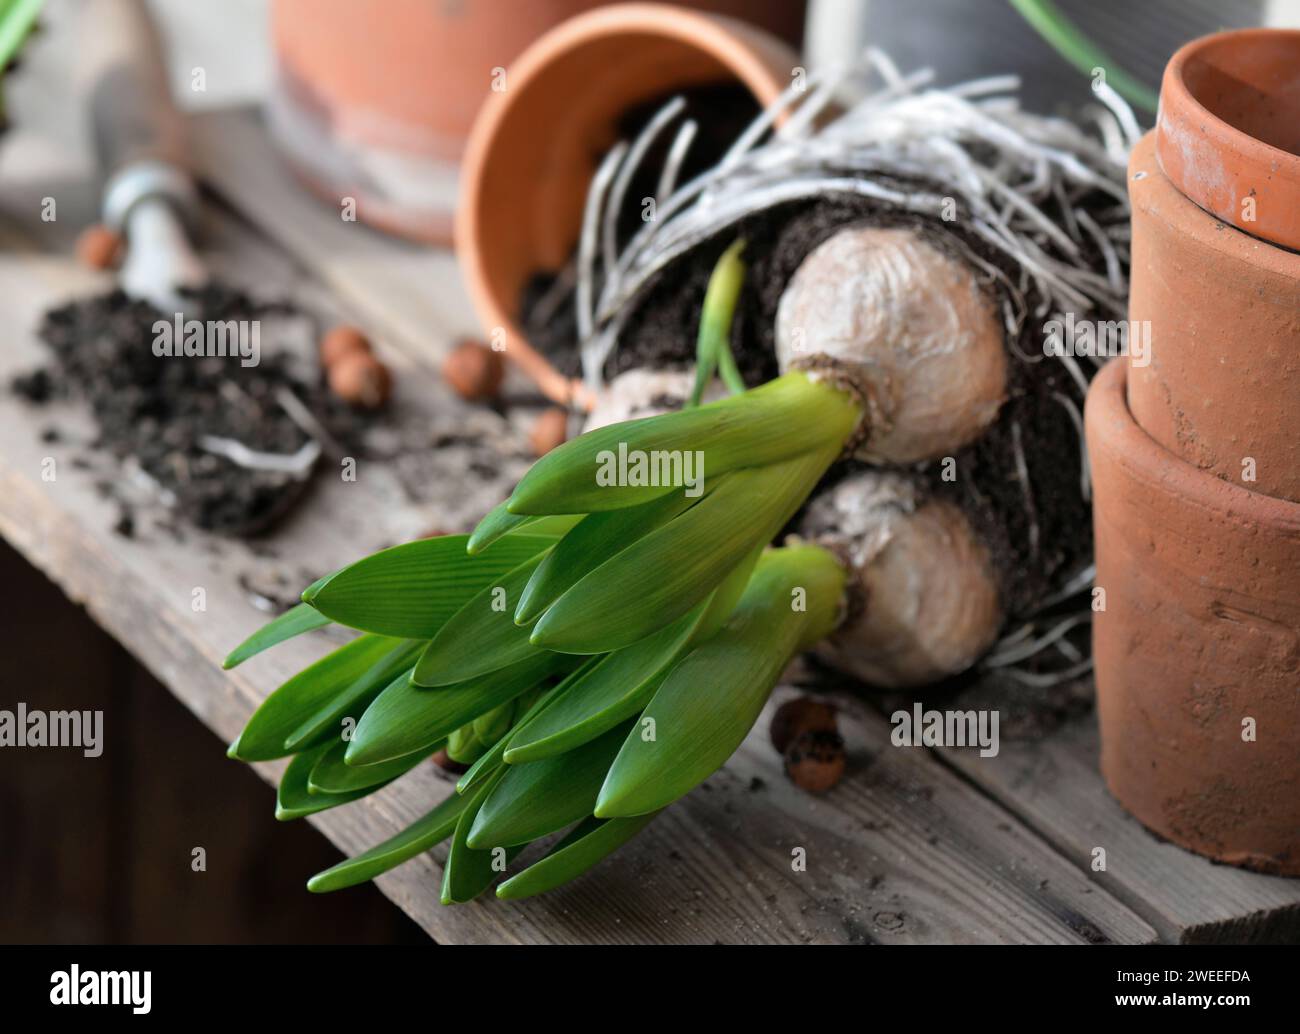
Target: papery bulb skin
pixel 924 600
pixel 911 326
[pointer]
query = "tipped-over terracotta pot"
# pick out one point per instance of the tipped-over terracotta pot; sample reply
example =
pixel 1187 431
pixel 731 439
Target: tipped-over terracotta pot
pixel 1215 191
pixel 1197 649
pixel 536 143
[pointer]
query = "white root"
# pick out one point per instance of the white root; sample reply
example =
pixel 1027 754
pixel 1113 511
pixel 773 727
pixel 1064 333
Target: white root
pixel 676 158
pixel 588 240
pixel 627 170
pixel 969 138
pixel 914 323
pixel 926 596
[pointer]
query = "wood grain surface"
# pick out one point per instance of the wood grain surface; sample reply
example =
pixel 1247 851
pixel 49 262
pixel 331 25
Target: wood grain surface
pixel 911 847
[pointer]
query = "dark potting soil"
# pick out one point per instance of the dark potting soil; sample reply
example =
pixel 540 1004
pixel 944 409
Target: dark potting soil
pixel 546 306
pixel 661 332
pixel 155 410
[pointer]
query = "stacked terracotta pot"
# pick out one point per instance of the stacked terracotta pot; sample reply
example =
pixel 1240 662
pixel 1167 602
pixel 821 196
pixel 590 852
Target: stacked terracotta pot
pixel 1196 464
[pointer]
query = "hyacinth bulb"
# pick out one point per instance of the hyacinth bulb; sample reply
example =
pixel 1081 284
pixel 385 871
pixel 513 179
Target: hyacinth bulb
pixel 908 324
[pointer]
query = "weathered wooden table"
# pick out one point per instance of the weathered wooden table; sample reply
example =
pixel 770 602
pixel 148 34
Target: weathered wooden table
pixel 915 845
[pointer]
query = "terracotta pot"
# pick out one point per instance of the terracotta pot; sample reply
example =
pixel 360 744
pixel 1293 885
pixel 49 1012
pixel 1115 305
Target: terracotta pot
pixel 1223 301
pixel 374 100
pixel 1228 135
pixel 1200 631
pixel 535 145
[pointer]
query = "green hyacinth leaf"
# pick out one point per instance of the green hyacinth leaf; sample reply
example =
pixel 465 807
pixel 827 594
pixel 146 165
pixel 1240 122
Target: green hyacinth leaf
pixel 711 699
pixel 331 774
pixel 328 722
pixel 405 718
pixel 496 723
pixel 607 693
pixel 464 746
pixel 500 522
pixel 591 841
pixel 663 575
pixel 543 797
pixel 793 414
pixel 412 590
pixel 596 538
pixel 468 871
pixel 294 799
pixel 495 757
pixel 487 763
pixel 481 637
pixel 726 596
pixel 424 833
pixel 553 526
pixel 497 523
pixel 315 690
pixel 293 622
pixel 713 347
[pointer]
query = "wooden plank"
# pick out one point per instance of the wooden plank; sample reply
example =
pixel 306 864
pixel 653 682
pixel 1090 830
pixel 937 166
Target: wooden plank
pixel 932 861
pixel 1053 785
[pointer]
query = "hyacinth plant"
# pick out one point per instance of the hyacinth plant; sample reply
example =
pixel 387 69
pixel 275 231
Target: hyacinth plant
pixel 593 650
pixel 607 636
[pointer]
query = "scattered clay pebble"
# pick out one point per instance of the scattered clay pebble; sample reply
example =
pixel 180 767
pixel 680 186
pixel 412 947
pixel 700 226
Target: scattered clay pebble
pixel 474 371
pixel 443 760
pixel 797 716
pixel 98 247
pixel 361 380
pixel 338 341
pixel 551 429
pixel 815 761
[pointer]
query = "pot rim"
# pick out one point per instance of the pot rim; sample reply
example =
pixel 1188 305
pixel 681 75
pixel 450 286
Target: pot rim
pixel 735 45
pixel 1108 415
pixel 1156 196
pixel 1264 169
